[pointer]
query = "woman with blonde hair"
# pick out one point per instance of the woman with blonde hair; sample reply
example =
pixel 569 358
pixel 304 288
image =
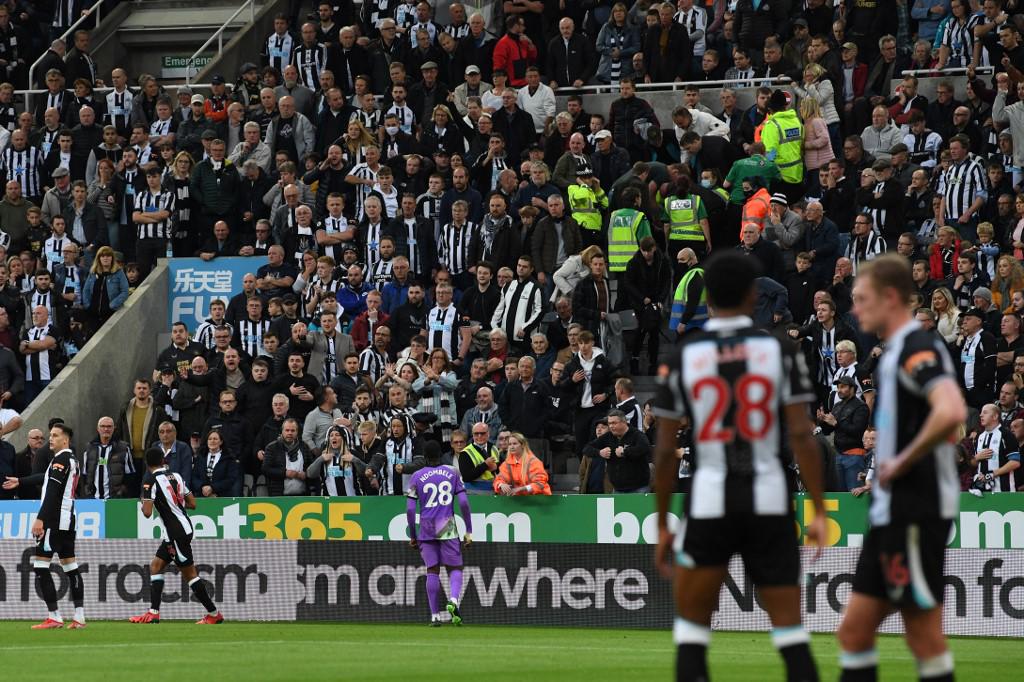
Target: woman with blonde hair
pixel 1009 279
pixel 106 288
pixel 575 268
pixel 521 472
pixel 355 142
pixel 441 133
pixel 817 86
pixel 817 143
pixel 185 240
pixel 947 315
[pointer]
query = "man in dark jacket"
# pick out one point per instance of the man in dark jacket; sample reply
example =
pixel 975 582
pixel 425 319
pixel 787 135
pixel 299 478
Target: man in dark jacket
pixel 572 60
pixel 409 318
pixel 821 241
pixel 609 161
pixel 646 286
pixel 625 451
pixel 591 299
pixel 106 465
pixel 476 49
pixel 670 63
pixel 766 253
pixel 523 403
pixel 555 233
pixel 626 121
pixel 976 369
pixel 234 429
pixel 846 421
pixel 587 384
pixel 214 185
pixel 286 461
pixel 189 137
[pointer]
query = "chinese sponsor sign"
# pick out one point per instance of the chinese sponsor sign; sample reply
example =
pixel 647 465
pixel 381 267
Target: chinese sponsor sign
pixel 193 283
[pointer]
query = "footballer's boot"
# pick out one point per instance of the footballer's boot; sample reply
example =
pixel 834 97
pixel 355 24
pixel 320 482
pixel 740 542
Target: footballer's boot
pixel 76 625
pixel 211 620
pixel 49 624
pixel 453 610
pixel 147 617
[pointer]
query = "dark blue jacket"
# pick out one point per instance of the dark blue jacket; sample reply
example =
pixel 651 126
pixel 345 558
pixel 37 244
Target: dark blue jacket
pixel 226 480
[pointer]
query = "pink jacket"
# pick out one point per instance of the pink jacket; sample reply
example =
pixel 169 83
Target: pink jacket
pixel 817 146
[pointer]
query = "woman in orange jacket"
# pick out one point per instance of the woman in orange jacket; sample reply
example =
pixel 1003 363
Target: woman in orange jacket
pixel 522 472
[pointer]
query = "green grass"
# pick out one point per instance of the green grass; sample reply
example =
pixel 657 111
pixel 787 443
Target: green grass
pixel 355 652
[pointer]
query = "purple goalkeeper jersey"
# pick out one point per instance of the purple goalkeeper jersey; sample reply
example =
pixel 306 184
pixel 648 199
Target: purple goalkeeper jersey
pixel 437 490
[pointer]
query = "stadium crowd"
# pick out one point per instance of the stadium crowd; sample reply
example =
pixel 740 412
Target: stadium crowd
pixel 442 252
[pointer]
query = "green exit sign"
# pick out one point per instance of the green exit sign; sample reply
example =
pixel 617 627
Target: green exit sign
pixel 175 66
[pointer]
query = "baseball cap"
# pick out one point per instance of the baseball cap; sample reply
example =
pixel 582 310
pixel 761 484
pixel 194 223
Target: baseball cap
pixel 800 22
pixel 472 68
pixel 247 67
pixel 850 46
pixel 844 381
pixel 602 134
pixel 208 135
pixel 289 298
pixel 975 312
pixel 197 99
pixel 217 79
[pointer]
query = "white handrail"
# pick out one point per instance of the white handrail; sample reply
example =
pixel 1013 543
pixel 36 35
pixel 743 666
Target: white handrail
pixel 948 71
pixel 219 35
pixel 85 15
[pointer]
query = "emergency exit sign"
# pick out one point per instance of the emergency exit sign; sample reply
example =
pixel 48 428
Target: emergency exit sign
pixel 175 66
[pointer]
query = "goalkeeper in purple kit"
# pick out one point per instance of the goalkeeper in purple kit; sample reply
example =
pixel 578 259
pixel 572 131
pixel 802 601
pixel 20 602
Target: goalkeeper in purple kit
pixel 436 488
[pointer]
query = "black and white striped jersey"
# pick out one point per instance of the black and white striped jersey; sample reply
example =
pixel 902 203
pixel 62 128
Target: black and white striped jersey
pixel 333 225
pixel 57 501
pixel 204 332
pixel 406 117
pixel 458 32
pixel 103 455
pixel 733 382
pixel 148 202
pixel 119 110
pixel 53 249
pixel 962 184
pixel 372 363
pixel 369 235
pixel 454 247
pixel 249 336
pixel 167 491
pixel 959 38
pixel 914 360
pixel 869 247
pixel 1004 449
pixel 41 366
pixel 24 167
pixel 443 330
pixel 371 120
pixel 310 61
pixel 695 21
pixel 42 298
pixel 429 206
pixel 363 172
pixel 862 381
pixel 278 50
pixel 380 273
pixel 309 292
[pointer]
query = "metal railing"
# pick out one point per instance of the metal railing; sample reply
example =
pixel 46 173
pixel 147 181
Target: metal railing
pixel 219 36
pixel 95 9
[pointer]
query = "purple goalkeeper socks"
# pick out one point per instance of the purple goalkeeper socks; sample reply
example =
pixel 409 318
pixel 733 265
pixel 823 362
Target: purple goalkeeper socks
pixel 455 583
pixel 434 592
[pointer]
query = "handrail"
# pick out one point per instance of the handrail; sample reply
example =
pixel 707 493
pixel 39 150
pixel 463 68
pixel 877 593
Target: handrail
pixel 107 88
pixel 219 35
pixel 85 15
pixel 948 71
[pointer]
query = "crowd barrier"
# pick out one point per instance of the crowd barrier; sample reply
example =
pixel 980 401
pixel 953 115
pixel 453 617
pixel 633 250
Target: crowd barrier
pixel 991 522
pixel 584 585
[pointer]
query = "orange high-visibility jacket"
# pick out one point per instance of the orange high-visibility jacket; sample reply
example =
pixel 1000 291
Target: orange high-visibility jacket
pixel 523 471
pixel 756 209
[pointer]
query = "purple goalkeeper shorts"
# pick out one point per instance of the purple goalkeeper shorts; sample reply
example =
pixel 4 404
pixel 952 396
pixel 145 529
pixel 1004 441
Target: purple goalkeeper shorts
pixel 443 552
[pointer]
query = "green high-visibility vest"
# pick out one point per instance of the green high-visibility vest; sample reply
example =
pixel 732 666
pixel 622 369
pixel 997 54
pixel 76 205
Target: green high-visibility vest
pixel 477 458
pixel 622 242
pixel 584 204
pixel 679 302
pixel 785 134
pixel 682 216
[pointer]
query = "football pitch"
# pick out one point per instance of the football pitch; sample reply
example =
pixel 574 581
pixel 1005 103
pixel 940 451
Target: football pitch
pixel 355 652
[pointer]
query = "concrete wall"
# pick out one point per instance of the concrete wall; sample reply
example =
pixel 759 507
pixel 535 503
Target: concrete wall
pixel 98 381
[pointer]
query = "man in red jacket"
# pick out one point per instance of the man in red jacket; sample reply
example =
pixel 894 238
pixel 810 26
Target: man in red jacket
pixel 515 52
